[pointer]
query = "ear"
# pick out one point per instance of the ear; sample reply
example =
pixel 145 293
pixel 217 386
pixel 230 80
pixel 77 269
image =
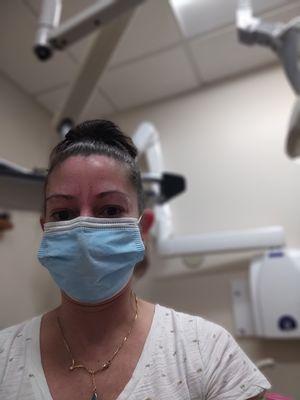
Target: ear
pixel 146 223
pixel 42 222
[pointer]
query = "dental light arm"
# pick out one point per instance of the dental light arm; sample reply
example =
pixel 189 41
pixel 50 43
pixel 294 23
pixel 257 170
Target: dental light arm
pixel 50 36
pixel 281 38
pixel 89 72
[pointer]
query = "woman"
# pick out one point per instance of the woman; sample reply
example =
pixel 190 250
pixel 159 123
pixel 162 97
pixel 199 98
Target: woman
pixel 102 342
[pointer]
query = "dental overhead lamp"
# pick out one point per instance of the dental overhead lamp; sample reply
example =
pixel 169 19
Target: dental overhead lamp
pixel 284 39
pixel 112 16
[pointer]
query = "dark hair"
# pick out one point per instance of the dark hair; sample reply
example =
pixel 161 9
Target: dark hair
pixel 101 137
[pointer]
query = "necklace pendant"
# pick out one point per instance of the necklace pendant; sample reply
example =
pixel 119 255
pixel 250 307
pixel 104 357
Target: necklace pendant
pixel 105 366
pixel 94 397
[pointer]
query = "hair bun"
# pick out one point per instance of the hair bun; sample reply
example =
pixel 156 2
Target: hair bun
pixel 101 131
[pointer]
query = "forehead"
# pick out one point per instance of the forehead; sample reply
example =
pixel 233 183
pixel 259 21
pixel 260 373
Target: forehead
pixel 90 174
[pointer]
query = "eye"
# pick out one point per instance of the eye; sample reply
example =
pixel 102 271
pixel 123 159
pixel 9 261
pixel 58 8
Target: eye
pixel 111 211
pixel 62 215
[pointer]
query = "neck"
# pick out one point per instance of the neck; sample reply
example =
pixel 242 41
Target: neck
pixel 88 324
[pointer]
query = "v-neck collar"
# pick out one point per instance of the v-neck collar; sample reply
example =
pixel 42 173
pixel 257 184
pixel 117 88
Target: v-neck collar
pixel 39 379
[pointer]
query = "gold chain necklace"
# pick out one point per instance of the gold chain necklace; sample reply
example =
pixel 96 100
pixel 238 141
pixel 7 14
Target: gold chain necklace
pixel 92 372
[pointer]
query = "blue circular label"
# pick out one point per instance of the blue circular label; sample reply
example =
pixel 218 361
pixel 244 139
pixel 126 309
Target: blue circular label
pixel 287 323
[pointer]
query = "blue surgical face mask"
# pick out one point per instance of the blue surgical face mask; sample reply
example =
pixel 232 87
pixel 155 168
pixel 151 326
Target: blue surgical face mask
pixel 91 259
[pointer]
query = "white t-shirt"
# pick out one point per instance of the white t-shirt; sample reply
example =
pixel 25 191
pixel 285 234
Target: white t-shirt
pixel 184 357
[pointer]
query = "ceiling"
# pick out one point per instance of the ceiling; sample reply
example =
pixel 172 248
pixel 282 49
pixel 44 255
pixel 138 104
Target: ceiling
pixel 153 60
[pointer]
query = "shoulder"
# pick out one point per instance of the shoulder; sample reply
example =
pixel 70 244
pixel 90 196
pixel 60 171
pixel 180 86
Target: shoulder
pixel 216 360
pixel 201 329
pixel 12 346
pixel 8 335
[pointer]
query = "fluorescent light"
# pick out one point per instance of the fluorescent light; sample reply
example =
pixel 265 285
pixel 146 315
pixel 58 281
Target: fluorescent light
pixel 197 17
pixel 200 16
pixel 182 3
pixel 181 10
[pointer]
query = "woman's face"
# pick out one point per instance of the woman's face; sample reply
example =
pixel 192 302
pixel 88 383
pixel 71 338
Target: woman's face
pixel 94 186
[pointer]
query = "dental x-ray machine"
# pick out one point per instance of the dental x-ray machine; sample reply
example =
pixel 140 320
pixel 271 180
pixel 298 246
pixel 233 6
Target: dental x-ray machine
pixel 272 307
pixel 147 140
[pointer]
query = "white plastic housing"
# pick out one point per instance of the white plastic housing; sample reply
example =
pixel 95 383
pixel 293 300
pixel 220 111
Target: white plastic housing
pixel 275 294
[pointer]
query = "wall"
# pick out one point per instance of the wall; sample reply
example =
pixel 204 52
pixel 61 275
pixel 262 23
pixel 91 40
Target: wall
pixel 228 141
pixel 25 138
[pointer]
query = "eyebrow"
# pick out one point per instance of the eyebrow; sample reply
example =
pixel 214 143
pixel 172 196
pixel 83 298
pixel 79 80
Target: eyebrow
pixel 104 194
pixel 99 195
pixel 60 195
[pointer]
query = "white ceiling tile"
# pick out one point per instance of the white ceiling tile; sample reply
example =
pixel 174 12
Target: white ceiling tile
pixel 80 49
pixel 283 14
pixel 153 27
pixel 96 107
pixel 17 58
pixel 197 17
pixel 53 99
pixel 149 79
pixel 221 56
